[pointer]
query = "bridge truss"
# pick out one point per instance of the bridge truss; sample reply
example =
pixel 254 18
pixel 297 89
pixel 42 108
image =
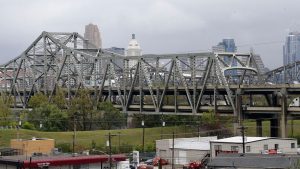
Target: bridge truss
pixel 69 61
pixel 179 84
pixel 288 74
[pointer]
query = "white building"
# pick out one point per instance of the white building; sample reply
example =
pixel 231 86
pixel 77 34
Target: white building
pixel 133 49
pixel 254 145
pixel 185 149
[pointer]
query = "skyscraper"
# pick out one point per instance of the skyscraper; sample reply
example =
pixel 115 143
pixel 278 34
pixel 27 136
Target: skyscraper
pixel 291 49
pixel 227 45
pixel 92 34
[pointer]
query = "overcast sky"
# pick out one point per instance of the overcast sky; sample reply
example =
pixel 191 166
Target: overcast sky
pixel 161 26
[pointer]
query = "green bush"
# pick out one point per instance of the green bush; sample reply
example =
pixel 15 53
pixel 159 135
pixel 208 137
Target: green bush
pixel 28 126
pixel 150 147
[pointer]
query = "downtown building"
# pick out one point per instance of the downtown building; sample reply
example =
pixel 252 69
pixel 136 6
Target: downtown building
pixel 227 45
pixel 92 35
pixel 291 48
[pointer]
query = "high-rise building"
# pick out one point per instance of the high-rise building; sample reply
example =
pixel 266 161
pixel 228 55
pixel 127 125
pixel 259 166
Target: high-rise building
pixel 133 49
pixel 227 45
pixel 291 49
pixel 92 34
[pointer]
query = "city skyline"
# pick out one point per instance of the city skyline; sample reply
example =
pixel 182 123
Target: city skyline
pixel 162 26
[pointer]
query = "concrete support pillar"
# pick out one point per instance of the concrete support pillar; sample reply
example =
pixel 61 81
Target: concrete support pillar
pixel 274 123
pixel 283 115
pixel 259 128
pixel 274 99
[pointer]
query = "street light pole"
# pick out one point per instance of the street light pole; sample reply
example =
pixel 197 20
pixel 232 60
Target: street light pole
pixel 161 131
pixel 243 137
pixel 18 128
pixel 143 141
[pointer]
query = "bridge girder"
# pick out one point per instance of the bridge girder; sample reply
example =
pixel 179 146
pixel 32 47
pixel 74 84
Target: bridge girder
pixel 69 61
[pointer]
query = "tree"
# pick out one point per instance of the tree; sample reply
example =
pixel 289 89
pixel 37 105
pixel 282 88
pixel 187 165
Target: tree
pixel 50 116
pixel 82 110
pixel 209 120
pixel 37 100
pixel 59 99
pixel 110 116
pixel 5 112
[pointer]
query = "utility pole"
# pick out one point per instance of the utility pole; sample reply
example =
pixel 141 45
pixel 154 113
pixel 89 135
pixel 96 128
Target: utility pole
pixel 74 132
pixel 108 143
pixel 242 128
pixel 119 141
pixel 173 138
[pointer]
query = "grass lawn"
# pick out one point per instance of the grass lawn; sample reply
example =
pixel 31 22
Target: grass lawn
pixel 84 139
pixel 129 137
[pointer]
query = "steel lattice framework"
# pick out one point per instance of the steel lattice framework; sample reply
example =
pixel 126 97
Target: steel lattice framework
pixel 155 83
pixel 288 74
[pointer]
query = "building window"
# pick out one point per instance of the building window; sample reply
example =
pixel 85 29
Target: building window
pixel 292 145
pixel 234 148
pixel 266 147
pixel 276 146
pixel 248 148
pixel 218 147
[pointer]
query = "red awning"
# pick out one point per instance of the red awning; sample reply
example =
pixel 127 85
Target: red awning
pixel 60 161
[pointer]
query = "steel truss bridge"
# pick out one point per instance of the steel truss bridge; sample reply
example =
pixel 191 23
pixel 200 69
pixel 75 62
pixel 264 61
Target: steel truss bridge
pixel 179 84
pixel 288 74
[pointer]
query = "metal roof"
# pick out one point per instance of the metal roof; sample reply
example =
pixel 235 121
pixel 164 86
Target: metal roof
pixel 194 143
pixel 257 161
pixel 239 139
